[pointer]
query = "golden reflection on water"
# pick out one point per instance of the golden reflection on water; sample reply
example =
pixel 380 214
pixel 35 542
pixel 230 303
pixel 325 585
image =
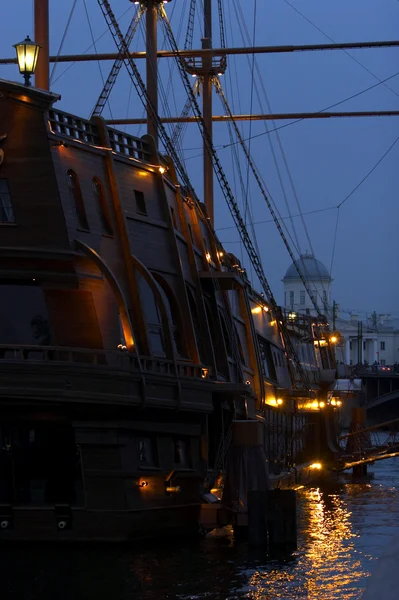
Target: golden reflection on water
pixel 326 565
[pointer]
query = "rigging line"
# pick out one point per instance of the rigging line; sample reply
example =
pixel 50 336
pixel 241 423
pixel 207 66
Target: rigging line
pixel 310 212
pixel 369 173
pixel 246 40
pixel 320 111
pixel 334 242
pixel 266 197
pixel 95 50
pixel 343 49
pixel 117 65
pixel 298 375
pixel 236 160
pixel 128 103
pixel 91 45
pixel 63 40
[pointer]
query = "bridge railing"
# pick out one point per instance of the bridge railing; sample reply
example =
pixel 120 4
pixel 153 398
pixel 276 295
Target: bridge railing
pixel 383 370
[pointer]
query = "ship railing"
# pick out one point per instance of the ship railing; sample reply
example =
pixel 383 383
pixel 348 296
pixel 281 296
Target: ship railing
pixel 124 360
pixel 83 130
pixel 73 127
pixel 129 145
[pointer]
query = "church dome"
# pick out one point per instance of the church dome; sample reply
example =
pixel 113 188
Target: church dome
pixel 310 267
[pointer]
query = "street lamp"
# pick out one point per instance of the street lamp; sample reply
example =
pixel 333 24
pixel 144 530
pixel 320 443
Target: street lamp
pixel 27 53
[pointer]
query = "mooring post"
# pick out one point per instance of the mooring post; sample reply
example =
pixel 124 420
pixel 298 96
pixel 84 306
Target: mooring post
pixel 281 520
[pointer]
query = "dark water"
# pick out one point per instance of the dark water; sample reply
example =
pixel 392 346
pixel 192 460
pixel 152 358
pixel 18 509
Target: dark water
pixel 343 531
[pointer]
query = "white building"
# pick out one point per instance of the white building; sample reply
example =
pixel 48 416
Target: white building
pixel 377 342
pixel 318 281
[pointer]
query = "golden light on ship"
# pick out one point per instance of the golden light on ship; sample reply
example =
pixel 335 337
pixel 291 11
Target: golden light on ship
pixel 274 401
pixel 333 339
pixel 162 170
pixel 256 310
pixel 322 404
pixel 316 466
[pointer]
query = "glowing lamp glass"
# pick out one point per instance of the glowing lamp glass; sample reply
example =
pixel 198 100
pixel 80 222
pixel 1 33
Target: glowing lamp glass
pixel 27 55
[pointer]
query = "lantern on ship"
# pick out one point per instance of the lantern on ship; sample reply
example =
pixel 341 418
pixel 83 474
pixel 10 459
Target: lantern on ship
pixel 27 54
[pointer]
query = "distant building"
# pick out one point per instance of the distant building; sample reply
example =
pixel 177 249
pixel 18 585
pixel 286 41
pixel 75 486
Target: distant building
pixel 379 339
pixel 318 280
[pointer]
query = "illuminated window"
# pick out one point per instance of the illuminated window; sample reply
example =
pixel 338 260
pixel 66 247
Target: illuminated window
pixel 141 208
pixel 77 197
pixel 6 211
pixel 302 297
pixel 102 207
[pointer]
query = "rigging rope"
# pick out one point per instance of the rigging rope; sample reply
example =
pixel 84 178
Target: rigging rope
pixel 355 189
pixel 261 187
pixel 319 111
pixel 343 49
pixel 91 45
pixel 232 204
pixel 63 40
pixel 116 67
pixel 95 50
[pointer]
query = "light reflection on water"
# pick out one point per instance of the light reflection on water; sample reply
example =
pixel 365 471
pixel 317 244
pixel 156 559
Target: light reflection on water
pixel 342 530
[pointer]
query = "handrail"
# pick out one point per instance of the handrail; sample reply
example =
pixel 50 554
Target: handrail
pixel 86 131
pixel 98 357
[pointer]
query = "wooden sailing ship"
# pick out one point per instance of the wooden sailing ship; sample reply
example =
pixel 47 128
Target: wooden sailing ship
pixel 130 340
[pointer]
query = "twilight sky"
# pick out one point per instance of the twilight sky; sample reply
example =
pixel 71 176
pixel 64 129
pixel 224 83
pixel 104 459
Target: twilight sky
pixel 326 158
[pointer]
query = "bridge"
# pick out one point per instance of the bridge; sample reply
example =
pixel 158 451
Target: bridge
pixel 381 393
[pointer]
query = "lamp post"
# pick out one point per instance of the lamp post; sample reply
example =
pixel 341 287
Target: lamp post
pixel 27 53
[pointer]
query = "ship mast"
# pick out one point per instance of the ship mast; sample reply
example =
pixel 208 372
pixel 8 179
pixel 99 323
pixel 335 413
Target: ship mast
pixel 207 88
pixel 152 67
pixel 41 12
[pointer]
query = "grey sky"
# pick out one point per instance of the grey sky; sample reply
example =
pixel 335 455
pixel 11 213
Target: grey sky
pixel 326 158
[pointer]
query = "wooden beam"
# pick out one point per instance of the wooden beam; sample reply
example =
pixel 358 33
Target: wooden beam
pixel 219 51
pixel 264 117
